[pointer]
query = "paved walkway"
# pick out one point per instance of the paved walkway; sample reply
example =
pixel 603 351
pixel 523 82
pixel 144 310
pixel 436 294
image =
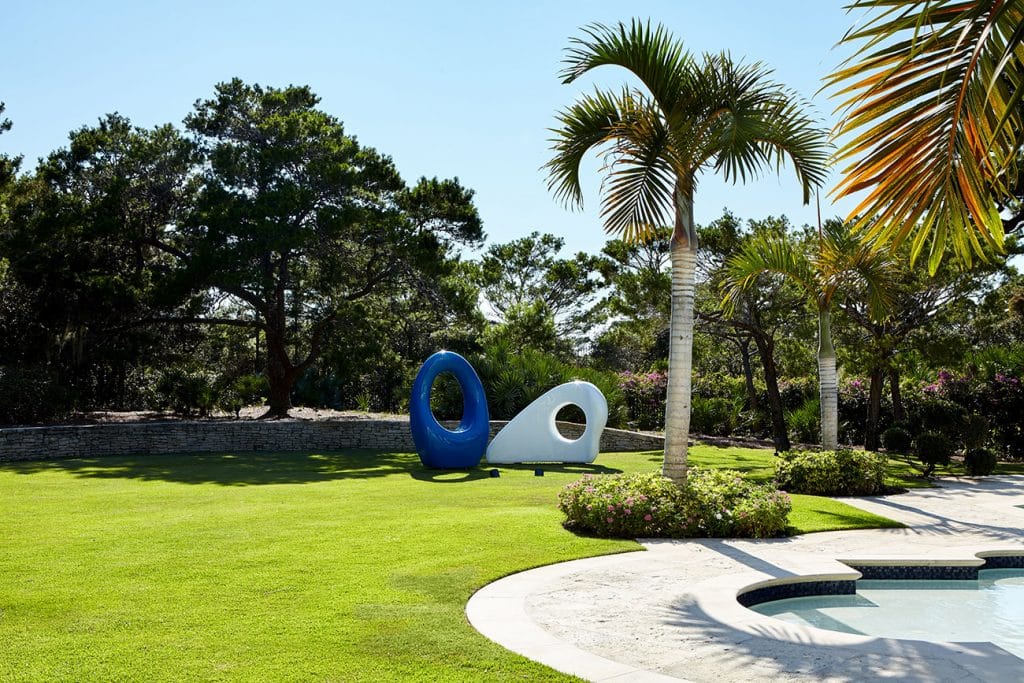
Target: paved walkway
pixel 670 613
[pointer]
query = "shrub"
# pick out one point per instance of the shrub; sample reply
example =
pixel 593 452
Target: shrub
pixel 797 392
pixel 644 395
pixel 932 449
pixel 975 432
pixel 939 415
pixel 186 392
pixel 831 473
pixel 713 416
pixel 244 391
pixel 514 378
pixel 805 421
pixel 31 394
pixel 897 440
pixel 980 462
pixel 715 503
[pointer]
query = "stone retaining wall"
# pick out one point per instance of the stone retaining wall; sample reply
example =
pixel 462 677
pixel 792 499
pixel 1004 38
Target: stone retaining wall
pixel 392 434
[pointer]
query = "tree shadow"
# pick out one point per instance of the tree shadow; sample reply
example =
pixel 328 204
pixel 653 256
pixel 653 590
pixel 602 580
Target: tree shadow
pixel 231 469
pixel 282 467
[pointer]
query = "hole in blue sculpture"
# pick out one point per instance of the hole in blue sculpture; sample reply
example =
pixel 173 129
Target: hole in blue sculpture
pixel 446 399
pixel 570 413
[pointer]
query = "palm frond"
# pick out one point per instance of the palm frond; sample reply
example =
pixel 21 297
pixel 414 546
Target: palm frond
pixel 658 60
pixel 845 261
pixel 582 127
pixel 756 125
pixel 639 188
pixel 931 110
pixel 769 253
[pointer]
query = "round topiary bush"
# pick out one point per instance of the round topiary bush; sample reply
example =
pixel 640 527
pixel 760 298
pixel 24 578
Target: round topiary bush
pixel 831 473
pixel 932 449
pixel 980 462
pixel 713 503
pixel 897 440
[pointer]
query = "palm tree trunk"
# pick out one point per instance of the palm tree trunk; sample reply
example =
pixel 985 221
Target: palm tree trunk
pixel 828 383
pixel 683 255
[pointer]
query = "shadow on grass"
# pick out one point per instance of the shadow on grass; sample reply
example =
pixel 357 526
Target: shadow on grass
pixel 254 469
pixel 232 469
pixel 484 471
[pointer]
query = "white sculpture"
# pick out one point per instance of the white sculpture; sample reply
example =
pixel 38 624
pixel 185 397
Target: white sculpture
pixel 533 437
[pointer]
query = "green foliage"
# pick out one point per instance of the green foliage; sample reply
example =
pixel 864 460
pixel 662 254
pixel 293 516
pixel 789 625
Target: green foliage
pixel 187 392
pixel 713 416
pixel 831 473
pixel 897 440
pixel 644 395
pixel 932 449
pixel 975 432
pixel 514 378
pixel 243 391
pixel 527 274
pixel 713 503
pixel 30 394
pixel 980 462
pixel 805 422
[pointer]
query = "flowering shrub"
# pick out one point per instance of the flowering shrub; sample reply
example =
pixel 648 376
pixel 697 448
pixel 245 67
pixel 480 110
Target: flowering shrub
pixel 831 473
pixel 645 397
pixel 713 503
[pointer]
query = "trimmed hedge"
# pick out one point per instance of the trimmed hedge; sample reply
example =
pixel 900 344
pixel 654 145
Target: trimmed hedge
pixel 831 473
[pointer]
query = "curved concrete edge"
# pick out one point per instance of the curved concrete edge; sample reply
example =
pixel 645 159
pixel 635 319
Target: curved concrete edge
pixel 498 611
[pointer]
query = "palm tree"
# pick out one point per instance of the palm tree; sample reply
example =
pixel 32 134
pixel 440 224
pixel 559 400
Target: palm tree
pixel 690 115
pixel 933 118
pixel 837 261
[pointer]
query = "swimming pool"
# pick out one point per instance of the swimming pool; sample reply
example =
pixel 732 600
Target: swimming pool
pixel 990 609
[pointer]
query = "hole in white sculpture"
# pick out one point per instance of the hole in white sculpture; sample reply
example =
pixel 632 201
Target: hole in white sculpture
pixel 570 412
pixel 446 399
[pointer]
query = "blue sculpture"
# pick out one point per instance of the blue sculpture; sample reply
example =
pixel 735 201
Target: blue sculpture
pixel 446 448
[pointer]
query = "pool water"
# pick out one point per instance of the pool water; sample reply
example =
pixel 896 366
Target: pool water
pixel 990 609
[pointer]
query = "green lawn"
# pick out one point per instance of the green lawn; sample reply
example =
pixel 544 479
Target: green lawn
pixel 286 566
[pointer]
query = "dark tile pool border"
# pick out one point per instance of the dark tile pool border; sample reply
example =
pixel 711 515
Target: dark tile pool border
pixel 796 589
pixel 905 572
pixel 799 589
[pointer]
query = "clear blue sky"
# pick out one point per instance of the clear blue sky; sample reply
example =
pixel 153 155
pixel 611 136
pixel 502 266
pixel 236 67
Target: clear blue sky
pixel 446 88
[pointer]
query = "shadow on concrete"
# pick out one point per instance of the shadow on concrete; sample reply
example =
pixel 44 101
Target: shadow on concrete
pixel 770 653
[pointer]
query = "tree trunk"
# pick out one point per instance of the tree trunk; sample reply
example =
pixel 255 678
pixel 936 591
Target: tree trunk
pixel 766 350
pixel 748 374
pixel 683 255
pixel 280 372
pixel 898 412
pixel 828 383
pixel 871 436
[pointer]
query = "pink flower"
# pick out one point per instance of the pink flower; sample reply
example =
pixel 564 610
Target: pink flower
pixel 610 520
pixel 611 507
pixel 628 511
pixel 648 518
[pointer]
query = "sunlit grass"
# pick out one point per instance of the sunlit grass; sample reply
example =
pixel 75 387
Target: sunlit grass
pixel 354 565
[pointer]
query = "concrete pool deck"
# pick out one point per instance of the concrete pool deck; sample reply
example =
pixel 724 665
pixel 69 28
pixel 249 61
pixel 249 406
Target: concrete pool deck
pixel 671 613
